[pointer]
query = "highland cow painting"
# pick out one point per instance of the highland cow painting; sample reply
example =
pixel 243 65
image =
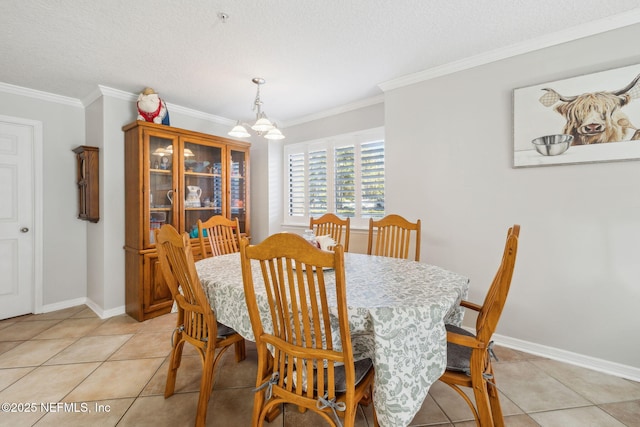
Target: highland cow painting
pixel 601 112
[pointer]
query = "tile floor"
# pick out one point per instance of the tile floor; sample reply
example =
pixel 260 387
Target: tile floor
pixel 112 372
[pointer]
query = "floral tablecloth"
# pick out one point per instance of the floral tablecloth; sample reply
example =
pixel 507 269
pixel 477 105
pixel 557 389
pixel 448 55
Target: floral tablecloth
pixel 397 312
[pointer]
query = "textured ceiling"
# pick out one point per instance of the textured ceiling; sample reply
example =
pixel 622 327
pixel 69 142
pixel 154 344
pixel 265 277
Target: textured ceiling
pixel 314 55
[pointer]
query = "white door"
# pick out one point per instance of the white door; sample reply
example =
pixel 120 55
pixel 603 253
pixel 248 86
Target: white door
pixel 16 219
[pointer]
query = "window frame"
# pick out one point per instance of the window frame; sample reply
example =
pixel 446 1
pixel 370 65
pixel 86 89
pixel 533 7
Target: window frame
pixel 329 144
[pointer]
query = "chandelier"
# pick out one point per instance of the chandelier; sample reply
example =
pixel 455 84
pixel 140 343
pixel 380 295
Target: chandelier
pixel 263 126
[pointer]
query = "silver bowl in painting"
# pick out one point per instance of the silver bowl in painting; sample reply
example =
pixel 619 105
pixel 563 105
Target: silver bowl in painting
pixel 552 145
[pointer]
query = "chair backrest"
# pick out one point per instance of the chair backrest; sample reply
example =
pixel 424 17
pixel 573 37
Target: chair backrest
pixel 179 271
pixel 392 235
pixel 222 235
pixel 330 224
pixel 494 301
pixel 294 275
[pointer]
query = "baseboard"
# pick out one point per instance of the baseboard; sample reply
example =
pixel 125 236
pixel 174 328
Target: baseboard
pixel 103 314
pixel 600 365
pixel 63 304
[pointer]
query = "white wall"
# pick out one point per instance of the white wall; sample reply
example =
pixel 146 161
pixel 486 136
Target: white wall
pixel 65 242
pixel 266 173
pixel 351 120
pixel 96 231
pixel 449 145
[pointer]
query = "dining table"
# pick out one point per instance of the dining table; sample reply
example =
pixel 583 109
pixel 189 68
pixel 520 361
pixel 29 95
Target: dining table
pixel 397 313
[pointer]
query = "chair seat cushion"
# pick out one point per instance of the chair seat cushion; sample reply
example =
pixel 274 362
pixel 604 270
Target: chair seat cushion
pixel 458 356
pixel 224 330
pixel 361 368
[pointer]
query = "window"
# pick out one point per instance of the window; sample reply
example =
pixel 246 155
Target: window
pixel 342 174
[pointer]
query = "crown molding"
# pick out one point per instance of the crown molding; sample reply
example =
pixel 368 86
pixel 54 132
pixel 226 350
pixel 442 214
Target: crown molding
pixel 199 114
pixel 133 97
pixel 101 91
pixel 38 94
pixel 378 99
pixel 570 34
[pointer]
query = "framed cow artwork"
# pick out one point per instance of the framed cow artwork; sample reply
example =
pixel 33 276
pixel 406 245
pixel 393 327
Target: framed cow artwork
pixel 584 119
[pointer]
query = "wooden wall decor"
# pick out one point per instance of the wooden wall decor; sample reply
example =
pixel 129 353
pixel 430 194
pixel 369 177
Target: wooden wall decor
pixel 87 166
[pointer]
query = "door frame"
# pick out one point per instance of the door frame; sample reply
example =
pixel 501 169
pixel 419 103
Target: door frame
pixel 37 164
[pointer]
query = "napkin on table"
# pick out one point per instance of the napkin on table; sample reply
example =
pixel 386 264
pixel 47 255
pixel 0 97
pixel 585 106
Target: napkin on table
pixel 325 242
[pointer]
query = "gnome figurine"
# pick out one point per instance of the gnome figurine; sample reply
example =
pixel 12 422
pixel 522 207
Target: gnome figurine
pixel 151 108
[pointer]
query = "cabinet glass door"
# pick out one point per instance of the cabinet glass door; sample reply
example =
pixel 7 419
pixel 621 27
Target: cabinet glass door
pixel 204 186
pixel 161 198
pixel 238 187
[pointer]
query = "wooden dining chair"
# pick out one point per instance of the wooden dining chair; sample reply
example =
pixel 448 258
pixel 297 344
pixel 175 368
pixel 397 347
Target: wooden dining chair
pixel 310 364
pixel 469 355
pixel 196 322
pixel 391 237
pixel 222 236
pixel 334 226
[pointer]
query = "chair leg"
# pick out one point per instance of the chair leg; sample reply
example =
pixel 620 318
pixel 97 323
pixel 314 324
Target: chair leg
pixel 466 398
pixel 265 368
pixel 482 404
pixel 350 416
pixel 258 403
pixel 272 414
pixel 375 418
pixel 369 400
pixel 494 401
pixel 206 383
pixel 241 352
pixel 174 364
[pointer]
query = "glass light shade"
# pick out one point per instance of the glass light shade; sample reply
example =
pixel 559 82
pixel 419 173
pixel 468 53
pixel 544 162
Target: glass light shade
pixel 169 151
pixel 262 125
pixel 239 132
pixel 160 152
pixel 274 134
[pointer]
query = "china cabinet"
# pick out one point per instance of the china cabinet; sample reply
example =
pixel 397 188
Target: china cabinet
pixel 175 176
pixel 87 169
